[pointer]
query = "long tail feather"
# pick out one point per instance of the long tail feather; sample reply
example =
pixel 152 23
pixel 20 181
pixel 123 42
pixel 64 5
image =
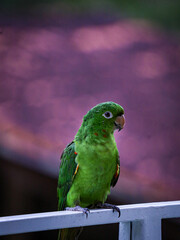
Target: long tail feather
pixel 69 233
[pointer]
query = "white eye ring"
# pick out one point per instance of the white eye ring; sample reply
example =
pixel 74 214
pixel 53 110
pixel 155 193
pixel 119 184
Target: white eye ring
pixel 107 115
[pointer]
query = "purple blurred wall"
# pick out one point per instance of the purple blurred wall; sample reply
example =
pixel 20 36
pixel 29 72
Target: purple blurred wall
pixel 52 74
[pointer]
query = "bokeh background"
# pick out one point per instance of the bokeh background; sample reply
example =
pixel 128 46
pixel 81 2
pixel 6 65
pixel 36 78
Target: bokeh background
pixel 58 59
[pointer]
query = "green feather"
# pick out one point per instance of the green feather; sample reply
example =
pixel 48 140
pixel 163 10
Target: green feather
pixel 66 173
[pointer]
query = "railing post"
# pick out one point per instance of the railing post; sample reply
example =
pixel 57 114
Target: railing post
pixel 124 231
pixel 147 229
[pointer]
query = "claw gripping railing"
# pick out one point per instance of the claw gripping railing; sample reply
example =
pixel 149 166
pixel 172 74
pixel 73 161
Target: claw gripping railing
pixel 141 221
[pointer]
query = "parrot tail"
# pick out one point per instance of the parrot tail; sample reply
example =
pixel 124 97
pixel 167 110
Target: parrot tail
pixel 69 233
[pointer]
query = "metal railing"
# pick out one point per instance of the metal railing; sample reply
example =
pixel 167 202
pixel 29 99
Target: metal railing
pixel 137 221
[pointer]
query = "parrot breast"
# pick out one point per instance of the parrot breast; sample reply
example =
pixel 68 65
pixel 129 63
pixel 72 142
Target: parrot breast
pixel 97 166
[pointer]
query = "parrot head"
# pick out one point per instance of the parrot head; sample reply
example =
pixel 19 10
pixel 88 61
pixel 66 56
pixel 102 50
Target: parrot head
pixel 105 117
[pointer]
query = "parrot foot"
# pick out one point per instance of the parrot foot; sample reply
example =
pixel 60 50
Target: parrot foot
pixel 109 206
pixel 78 208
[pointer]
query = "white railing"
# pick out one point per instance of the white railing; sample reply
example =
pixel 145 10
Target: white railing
pixel 145 218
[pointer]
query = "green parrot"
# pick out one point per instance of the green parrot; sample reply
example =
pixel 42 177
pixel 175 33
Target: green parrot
pixel 90 164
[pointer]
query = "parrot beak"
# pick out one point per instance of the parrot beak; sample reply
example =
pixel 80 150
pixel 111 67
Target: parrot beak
pixel 119 123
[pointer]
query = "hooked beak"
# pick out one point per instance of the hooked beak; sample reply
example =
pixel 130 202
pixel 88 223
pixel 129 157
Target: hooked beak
pixel 119 123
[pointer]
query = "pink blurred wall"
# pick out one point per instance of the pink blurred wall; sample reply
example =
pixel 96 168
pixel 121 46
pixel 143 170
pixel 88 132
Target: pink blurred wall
pixel 51 75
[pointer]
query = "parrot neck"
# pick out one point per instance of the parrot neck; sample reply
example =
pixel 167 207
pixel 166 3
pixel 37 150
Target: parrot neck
pixel 94 134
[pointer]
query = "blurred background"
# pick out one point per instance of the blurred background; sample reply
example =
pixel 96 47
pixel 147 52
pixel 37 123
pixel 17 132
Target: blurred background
pixel 58 59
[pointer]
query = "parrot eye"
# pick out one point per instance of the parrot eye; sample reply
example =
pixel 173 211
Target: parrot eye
pixel 108 115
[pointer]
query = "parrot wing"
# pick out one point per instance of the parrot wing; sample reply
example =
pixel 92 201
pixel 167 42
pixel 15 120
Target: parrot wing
pixel 116 175
pixel 67 172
